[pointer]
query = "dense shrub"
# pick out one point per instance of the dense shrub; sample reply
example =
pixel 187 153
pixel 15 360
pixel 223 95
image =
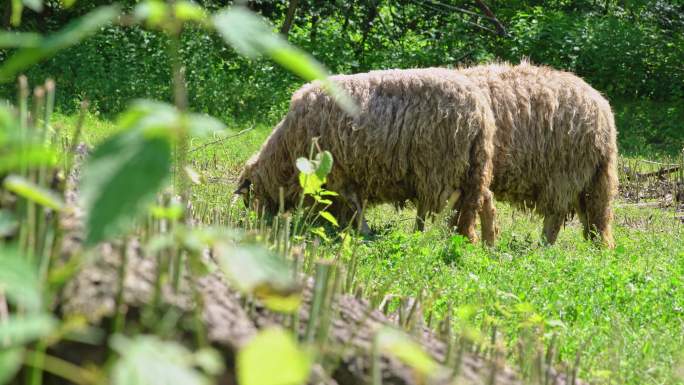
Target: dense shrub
pixel 629 52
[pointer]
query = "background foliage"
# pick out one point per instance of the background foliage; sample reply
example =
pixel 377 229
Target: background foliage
pixel 631 51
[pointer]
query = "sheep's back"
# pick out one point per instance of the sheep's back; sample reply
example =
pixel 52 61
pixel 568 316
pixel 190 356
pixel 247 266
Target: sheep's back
pixel 411 140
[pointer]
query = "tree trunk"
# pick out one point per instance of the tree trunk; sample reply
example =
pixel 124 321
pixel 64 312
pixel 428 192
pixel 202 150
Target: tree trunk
pixel 347 14
pixel 372 13
pixel 289 18
pixel 314 29
pixel 500 29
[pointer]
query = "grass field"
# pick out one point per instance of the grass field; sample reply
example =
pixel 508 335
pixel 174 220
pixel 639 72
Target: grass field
pixel 622 310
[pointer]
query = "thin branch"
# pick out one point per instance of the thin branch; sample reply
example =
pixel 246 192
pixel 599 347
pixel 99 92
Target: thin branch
pixel 488 14
pixel 433 6
pixel 491 17
pixel 221 140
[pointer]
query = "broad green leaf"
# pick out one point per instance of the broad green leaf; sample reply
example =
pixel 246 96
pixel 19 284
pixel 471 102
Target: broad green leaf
pixel 66 37
pixel 31 191
pixel 399 345
pixel 329 217
pixel 120 179
pixel 311 184
pixel 306 166
pixel 19 280
pixel 251 36
pixel 255 270
pixel 19 330
pixel 321 200
pixel 324 162
pixel 320 231
pixel 19 39
pixel 272 357
pixel 10 362
pixel 147 360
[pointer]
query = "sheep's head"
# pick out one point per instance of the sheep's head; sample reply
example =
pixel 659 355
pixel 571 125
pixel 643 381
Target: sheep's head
pixel 246 186
pixel 253 187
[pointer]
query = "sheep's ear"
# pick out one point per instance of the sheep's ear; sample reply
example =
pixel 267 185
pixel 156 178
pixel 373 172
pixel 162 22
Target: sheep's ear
pixel 243 188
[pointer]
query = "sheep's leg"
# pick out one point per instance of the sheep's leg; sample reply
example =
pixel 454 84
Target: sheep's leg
pixel 420 218
pixel 362 225
pixel 488 219
pixel 598 209
pixel 454 204
pixel 582 214
pixel 552 226
pixel 469 207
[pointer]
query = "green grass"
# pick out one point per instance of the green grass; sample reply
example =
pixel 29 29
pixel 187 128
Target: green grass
pixel 623 310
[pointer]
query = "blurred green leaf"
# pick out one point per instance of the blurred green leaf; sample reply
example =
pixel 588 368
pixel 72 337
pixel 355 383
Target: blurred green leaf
pixel 8 223
pixel 17 149
pixel 68 3
pixel 36 5
pixel 31 191
pixel 147 360
pixel 157 14
pixel 120 178
pixel 19 280
pixel 66 37
pixel 10 362
pixel 162 119
pixel 19 39
pixel 251 36
pixel 324 162
pixel 189 11
pixel 202 126
pixel 153 12
pixel 17 9
pixel 19 330
pixel 32 155
pixel 272 357
pixel 209 360
pixel 255 270
pixel 305 166
pixel 402 347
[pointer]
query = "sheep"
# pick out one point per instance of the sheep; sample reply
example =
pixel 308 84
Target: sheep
pixel 555 145
pixel 422 135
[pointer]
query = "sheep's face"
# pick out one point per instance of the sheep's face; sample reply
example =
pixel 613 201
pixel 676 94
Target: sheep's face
pixel 252 191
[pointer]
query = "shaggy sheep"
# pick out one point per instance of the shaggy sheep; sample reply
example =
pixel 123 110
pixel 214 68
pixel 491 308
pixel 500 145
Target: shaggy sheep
pixel 555 145
pixel 423 135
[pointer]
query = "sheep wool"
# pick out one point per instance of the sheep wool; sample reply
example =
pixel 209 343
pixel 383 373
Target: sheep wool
pixel 555 145
pixel 422 135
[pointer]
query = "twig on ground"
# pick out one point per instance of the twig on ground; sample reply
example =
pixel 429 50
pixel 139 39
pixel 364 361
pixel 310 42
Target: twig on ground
pixel 246 130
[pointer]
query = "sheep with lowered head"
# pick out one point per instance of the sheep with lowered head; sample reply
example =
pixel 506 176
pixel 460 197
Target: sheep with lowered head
pixel 555 145
pixel 422 135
